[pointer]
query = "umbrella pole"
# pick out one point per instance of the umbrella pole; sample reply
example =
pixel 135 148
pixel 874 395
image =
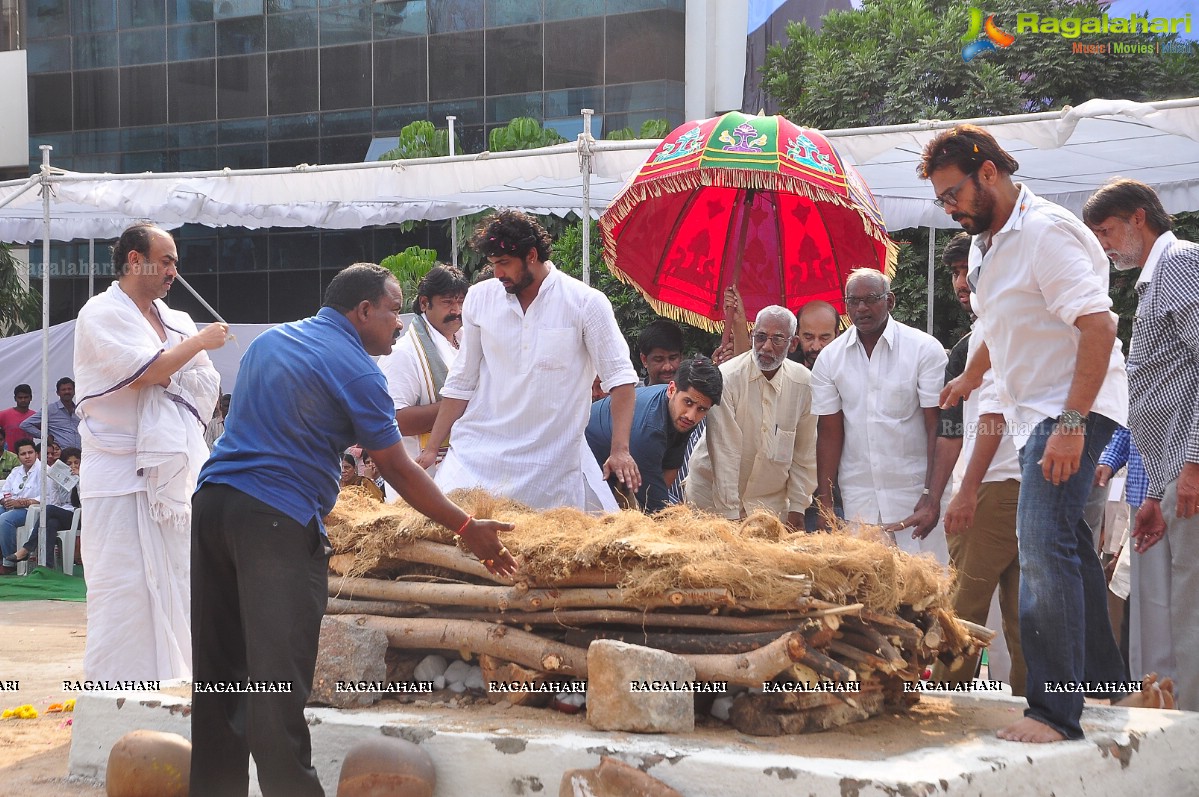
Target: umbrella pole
pixel 932 250
pixel 585 167
pixel 449 121
pixel 43 543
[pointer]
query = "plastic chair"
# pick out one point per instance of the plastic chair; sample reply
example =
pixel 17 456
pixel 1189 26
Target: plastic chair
pixel 66 562
pixel 23 532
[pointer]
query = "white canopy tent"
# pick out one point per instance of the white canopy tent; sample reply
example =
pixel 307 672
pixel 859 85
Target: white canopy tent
pixel 1064 156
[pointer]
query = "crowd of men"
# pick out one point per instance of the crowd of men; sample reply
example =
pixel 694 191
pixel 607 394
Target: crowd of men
pixel 214 565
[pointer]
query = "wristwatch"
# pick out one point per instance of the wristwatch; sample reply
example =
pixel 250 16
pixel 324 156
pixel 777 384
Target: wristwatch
pixel 1072 421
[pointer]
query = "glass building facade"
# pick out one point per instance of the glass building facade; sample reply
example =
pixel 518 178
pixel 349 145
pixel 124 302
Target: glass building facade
pixel 182 85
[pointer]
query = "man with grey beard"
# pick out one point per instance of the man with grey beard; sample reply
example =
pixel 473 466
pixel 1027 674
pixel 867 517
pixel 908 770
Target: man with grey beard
pixel 759 448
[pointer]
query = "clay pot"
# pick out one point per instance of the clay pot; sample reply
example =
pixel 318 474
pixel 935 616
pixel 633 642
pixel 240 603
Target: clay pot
pixel 387 767
pixel 149 764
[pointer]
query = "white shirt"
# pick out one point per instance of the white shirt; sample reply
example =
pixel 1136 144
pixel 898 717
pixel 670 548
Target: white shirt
pixel 408 381
pixel 1041 272
pixel 986 401
pixel 758 450
pixel 527 376
pixel 23 483
pixel 884 458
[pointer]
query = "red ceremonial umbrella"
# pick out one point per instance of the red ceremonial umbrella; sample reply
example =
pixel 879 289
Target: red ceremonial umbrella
pixel 751 201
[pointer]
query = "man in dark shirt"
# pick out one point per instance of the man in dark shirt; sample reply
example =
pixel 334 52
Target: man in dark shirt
pixel 663 418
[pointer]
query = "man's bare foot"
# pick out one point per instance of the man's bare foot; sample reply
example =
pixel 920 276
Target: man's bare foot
pixel 1152 695
pixel 1030 730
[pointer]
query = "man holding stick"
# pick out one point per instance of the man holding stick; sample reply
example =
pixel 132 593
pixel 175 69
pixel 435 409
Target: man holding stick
pixel 147 387
pixel 306 391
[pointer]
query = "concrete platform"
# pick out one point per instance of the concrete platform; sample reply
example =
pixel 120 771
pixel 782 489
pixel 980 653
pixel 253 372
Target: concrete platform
pixel 946 747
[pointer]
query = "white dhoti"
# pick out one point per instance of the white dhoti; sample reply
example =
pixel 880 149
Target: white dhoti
pixel 138 602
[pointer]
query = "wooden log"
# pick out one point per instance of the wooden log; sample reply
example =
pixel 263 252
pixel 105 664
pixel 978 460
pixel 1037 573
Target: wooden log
pixel 878 643
pixel 675 642
pixel 813 629
pixel 956 635
pixel 510 644
pixel 454 558
pixel 889 625
pixel 529 650
pixel 505 671
pixel 825 667
pixel 749 716
pixel 380 608
pixel 862 657
pixel 981 633
pixel 516 597
pixel 753 668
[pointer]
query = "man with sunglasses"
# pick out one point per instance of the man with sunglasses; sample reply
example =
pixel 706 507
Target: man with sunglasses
pixel 1040 283
pixel 876 390
pixel 758 448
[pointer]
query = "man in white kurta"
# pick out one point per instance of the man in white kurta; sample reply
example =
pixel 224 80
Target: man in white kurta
pixel 419 363
pixel 877 389
pixel 519 394
pixel 759 446
pixel 147 388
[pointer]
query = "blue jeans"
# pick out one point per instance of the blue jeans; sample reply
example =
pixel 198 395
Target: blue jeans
pixel 1064 626
pixel 10 522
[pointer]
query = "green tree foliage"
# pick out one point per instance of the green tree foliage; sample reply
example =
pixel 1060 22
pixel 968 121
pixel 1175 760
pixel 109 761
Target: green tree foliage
pixel 523 132
pixel 897 61
pixel 632 311
pixel 421 140
pixel 650 128
pixel 410 267
pixel 900 61
pixel 20 307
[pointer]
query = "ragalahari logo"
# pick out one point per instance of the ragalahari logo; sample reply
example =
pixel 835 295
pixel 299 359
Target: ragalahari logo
pixel 983 36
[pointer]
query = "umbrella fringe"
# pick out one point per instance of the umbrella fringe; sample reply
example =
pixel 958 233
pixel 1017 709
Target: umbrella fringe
pixel 635 193
pixel 669 310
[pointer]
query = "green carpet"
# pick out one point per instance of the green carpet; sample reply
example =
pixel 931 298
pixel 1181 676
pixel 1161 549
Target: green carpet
pixel 44 585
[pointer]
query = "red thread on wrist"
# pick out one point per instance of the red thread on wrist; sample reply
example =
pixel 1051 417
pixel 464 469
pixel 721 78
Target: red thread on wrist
pixel 465 523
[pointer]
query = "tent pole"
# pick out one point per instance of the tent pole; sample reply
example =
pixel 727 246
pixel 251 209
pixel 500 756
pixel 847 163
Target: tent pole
pixel 91 267
pixel 453 220
pixel 43 538
pixel 585 168
pixel 932 258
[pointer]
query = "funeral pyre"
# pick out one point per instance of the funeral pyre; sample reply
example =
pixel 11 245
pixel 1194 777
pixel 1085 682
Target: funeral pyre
pixel 747 603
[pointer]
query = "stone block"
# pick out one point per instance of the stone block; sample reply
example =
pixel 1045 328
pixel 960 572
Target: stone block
pixel 613 704
pixel 350 654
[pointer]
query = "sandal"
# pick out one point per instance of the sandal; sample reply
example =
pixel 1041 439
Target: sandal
pixel 21 555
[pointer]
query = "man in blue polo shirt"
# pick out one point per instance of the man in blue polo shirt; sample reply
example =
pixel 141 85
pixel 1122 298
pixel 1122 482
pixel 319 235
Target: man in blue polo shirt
pixel 663 418
pixel 306 390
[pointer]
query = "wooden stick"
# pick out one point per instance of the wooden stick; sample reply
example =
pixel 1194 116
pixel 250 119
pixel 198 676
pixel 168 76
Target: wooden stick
pixel 753 668
pixel 529 650
pixel 860 656
pixel 578 618
pixel 504 598
pixel 981 633
pixel 826 667
pixel 380 608
pixel 521 647
pixel 674 642
pixel 871 641
pixel 892 626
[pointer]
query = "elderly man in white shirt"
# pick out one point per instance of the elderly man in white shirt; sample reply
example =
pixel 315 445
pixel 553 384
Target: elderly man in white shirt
pixel 876 389
pixel 519 394
pixel 419 363
pixel 1040 279
pixel 758 449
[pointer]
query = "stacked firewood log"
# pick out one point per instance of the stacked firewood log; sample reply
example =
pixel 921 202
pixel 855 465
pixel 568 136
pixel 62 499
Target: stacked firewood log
pixel 745 603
